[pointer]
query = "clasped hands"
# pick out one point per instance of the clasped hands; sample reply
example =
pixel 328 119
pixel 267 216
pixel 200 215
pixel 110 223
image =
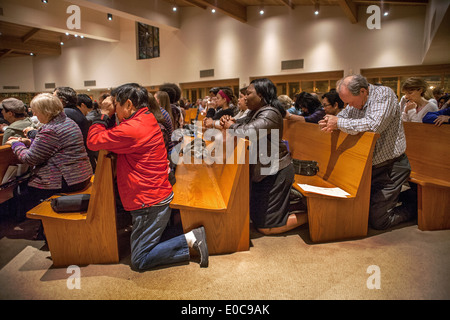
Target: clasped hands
pixel 328 123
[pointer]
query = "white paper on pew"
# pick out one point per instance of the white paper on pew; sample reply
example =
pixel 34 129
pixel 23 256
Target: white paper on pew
pixel 334 192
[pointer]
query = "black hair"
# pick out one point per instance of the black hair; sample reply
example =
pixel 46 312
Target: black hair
pixel 268 92
pixel 308 101
pixel 333 97
pixel 214 90
pixel 84 98
pixel 67 95
pixel 172 90
pixel 137 94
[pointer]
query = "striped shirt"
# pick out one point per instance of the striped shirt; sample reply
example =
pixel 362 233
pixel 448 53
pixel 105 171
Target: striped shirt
pixel 381 114
pixel 56 152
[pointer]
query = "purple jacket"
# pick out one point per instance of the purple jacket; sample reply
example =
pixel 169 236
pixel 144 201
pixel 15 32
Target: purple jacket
pixel 57 151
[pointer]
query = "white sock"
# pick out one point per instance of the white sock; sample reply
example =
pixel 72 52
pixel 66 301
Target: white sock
pixel 190 238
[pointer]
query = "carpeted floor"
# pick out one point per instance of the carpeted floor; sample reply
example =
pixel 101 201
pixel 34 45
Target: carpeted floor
pixel 412 264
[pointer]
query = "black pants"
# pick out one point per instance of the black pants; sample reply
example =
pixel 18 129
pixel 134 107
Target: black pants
pixel 387 182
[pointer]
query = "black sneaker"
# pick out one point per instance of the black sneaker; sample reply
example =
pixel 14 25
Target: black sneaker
pixel 200 246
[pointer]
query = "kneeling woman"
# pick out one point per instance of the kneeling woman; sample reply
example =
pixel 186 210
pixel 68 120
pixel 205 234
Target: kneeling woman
pixel 269 196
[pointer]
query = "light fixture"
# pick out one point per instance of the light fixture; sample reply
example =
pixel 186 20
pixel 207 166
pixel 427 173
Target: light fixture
pixel 44 1
pixel 316 8
pixel 261 11
pixel 61 43
pixel 385 9
pixel 109 15
pixel 67 33
pixel 213 10
pixel 174 9
pixel 31 54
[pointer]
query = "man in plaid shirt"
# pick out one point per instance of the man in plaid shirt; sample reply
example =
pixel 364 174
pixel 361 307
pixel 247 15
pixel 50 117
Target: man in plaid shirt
pixel 376 109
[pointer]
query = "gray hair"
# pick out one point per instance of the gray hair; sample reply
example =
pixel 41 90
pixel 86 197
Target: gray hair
pixel 353 83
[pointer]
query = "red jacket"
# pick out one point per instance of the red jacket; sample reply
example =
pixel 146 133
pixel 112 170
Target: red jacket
pixel 142 166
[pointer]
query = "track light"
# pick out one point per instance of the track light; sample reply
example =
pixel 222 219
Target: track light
pixel 109 15
pixel 316 8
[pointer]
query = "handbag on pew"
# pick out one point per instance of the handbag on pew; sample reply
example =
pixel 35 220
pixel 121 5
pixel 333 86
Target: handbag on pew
pixel 71 203
pixel 305 167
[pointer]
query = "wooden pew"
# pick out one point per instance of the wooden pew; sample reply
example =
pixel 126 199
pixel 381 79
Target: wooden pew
pixel 83 238
pixel 345 161
pixel 7 158
pixel 217 197
pixel 190 115
pixel 428 151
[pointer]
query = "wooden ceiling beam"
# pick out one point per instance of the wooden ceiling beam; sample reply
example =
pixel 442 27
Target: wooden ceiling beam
pixel 196 4
pixel 350 9
pixel 30 34
pixel 228 7
pixel 34 46
pixel 6 53
pixel 287 3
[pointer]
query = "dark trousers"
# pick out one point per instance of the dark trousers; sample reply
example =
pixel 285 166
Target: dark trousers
pixel 385 194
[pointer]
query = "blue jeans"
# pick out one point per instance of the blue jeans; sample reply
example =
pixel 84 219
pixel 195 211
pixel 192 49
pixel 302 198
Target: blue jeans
pixel 146 249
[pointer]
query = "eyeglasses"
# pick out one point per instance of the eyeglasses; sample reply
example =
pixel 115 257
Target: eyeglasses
pixel 327 105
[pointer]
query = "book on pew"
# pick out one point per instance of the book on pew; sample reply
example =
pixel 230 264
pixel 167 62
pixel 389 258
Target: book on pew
pixel 333 192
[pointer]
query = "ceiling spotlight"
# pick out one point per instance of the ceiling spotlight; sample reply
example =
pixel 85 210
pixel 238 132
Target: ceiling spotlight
pixel 261 11
pixel 109 15
pixel 44 1
pixel 213 10
pixel 316 8
pixel 31 54
pixel 61 43
pixel 174 9
pixel 386 9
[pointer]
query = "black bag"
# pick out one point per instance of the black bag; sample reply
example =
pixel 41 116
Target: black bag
pixel 71 203
pixel 305 167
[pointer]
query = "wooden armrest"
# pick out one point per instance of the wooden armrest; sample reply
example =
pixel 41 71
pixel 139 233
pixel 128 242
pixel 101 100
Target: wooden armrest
pixel 317 182
pixel 425 180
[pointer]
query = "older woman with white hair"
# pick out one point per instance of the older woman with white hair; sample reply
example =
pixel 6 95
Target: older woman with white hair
pixel 57 153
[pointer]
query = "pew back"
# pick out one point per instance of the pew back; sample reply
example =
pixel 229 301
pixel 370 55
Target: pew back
pixel 427 148
pixel 216 196
pixel 345 161
pixel 81 238
pixel 7 158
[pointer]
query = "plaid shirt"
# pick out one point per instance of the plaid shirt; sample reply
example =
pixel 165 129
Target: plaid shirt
pixel 380 114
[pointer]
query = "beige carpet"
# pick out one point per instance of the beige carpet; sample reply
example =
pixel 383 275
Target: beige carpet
pixel 412 265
